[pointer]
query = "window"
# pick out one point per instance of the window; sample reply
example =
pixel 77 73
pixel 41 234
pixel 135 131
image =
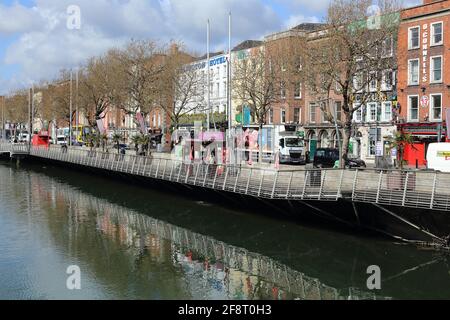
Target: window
pixel 413 108
pixel 358 82
pixel 283 90
pixel 298 91
pixel 373 82
pixel 436 69
pixel 159 120
pixel 372 112
pixel 413 72
pixel 323 107
pixel 387 80
pixel 374 137
pixel 297 115
pixel 338 110
pixel 387 111
pixel 218 73
pixel 413 38
pixel 436 34
pixel 387 48
pixel 312 112
pixel 283 116
pixel 357 115
pixel 436 107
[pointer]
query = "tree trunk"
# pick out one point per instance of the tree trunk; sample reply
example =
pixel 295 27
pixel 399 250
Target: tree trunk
pixel 346 141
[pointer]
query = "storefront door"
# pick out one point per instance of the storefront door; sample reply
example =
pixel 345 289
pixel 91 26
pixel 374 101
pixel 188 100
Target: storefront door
pixel 312 149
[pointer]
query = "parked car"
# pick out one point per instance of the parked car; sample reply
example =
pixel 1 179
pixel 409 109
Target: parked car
pixel 328 158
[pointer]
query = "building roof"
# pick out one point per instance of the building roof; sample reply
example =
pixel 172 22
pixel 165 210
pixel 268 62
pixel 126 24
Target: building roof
pixel 211 55
pixel 248 44
pixel 309 26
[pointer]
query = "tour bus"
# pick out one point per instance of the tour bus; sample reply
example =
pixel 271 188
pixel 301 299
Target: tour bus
pixel 438 156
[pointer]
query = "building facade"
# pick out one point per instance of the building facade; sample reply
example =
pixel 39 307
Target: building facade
pixel 424 75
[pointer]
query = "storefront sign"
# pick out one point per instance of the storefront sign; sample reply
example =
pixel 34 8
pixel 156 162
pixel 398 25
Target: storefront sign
pixel 444 154
pixel 425 53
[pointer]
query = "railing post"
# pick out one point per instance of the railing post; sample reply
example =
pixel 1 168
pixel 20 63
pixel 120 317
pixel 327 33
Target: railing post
pixel 206 175
pixel 380 181
pixel 179 172
pixel 134 163
pixel 226 178
pixel 275 181
pixel 215 177
pixel 305 183
pixel 288 191
pixel 248 180
pixel 237 180
pixel 165 167
pixel 157 168
pixel 171 170
pixel 322 183
pixel 261 182
pixel 405 190
pixel 196 174
pixel 339 191
pixel 433 192
pixel 355 183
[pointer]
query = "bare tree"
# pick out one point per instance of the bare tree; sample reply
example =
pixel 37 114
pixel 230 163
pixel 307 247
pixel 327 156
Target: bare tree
pixel 140 66
pixel 100 87
pixel 256 83
pixel 181 86
pixel 354 49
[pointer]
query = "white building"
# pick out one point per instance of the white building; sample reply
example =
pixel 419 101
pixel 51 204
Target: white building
pixel 218 85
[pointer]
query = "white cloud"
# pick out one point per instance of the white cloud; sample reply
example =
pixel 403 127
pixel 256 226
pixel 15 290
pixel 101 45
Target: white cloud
pixel 17 18
pixel 45 45
pixel 314 6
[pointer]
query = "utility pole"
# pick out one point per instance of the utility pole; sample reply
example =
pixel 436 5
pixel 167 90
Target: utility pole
pixel 77 121
pixel 229 109
pixel 70 109
pixel 208 75
pixel 2 99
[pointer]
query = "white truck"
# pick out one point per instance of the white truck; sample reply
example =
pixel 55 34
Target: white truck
pixel 438 156
pixel 290 146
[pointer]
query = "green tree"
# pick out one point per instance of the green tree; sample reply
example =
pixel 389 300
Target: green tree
pixel 117 138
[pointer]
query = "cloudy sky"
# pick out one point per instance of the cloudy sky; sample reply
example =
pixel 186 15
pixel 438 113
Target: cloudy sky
pixel 35 41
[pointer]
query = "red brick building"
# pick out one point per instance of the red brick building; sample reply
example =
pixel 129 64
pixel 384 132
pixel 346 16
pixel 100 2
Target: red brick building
pixel 424 75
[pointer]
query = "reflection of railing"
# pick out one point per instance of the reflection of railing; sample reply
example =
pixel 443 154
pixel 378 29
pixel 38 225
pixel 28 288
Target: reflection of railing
pixel 416 189
pixel 252 264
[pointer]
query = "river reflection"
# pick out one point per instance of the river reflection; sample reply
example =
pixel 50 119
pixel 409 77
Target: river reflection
pixel 135 243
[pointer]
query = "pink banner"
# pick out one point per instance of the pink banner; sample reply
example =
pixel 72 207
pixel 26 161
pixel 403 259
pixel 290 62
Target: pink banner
pixel 447 120
pixel 140 119
pixel 100 126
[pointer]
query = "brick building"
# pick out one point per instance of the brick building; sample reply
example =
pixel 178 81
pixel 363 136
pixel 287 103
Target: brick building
pixel 424 75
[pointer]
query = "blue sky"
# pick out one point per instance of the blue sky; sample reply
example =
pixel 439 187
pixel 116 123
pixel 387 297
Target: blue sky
pixel 35 42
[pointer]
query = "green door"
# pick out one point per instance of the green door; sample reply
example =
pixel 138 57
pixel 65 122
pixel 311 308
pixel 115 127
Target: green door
pixel 312 149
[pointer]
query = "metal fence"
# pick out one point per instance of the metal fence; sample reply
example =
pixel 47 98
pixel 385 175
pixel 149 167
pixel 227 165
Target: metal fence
pixel 414 189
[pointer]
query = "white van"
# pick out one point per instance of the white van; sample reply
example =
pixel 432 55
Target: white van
pixel 438 156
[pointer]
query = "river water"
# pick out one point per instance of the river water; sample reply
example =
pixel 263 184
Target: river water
pixel 130 242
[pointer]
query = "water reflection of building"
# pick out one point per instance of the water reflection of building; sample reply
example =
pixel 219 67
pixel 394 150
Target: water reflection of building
pixel 210 268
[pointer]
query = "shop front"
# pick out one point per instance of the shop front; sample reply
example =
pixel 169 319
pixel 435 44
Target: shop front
pixel 423 134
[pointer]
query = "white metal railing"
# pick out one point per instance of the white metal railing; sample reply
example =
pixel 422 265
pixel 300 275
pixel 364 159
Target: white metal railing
pixel 415 189
pixel 13 148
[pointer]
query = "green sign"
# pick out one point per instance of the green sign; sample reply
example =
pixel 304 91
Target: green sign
pixel 301 134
